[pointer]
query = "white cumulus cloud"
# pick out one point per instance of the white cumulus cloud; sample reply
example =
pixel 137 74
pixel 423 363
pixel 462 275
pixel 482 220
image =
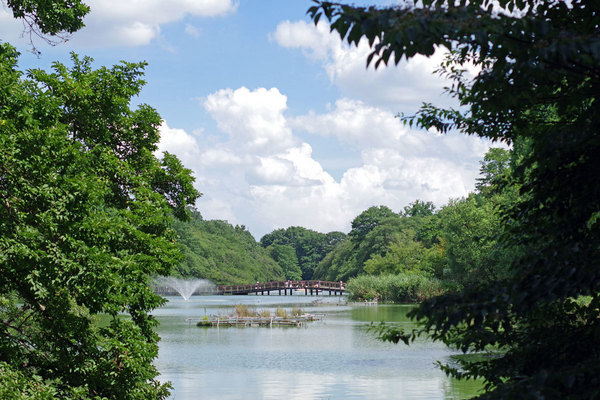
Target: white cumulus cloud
pixel 402 88
pixel 127 22
pixel 252 119
pixel 264 176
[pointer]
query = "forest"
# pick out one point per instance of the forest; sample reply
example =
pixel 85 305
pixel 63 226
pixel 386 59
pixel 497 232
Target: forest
pixel 404 256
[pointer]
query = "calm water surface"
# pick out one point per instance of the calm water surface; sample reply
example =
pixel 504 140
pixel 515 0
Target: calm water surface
pixel 336 358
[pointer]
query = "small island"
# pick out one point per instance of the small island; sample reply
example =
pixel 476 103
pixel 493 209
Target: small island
pixel 243 316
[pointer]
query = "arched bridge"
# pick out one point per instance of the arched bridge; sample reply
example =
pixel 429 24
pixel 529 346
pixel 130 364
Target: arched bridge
pixel 309 287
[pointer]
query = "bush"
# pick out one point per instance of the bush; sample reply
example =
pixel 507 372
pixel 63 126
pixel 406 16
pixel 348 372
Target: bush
pixel 400 288
pixel 242 310
pixel 264 313
pixel 280 312
pixel 296 311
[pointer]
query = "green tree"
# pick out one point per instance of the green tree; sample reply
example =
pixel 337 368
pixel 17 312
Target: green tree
pixel 310 246
pixel 85 212
pixel 495 163
pixel 419 208
pixel 368 220
pixel 50 20
pixel 285 255
pixel 404 254
pixel 537 82
pixel 470 229
pixel 50 17
pixel 224 254
pixel 349 258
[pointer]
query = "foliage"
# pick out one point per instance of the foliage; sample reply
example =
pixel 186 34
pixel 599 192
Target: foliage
pixel 50 17
pixel 85 211
pixel 339 264
pixel 536 85
pixel 285 255
pixel 15 385
pixel 404 254
pixel 242 311
pixel 494 165
pixel 382 242
pixel 280 312
pixel 394 288
pixel 222 253
pixel 470 228
pixel 419 208
pixel 310 246
pixel 51 20
pixel 297 312
pixel 368 220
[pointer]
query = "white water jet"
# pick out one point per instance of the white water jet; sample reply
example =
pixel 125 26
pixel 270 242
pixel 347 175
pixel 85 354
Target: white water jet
pixel 185 287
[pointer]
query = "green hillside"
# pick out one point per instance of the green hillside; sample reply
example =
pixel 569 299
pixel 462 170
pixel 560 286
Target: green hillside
pixel 222 253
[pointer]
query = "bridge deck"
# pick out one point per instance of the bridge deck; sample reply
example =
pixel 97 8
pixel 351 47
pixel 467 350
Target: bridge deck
pixel 309 287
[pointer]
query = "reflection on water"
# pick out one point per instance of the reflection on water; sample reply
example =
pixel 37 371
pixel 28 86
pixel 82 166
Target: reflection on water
pixel 336 358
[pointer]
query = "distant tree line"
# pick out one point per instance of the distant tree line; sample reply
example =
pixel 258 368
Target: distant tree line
pixel 223 253
pixel 450 248
pixel 457 245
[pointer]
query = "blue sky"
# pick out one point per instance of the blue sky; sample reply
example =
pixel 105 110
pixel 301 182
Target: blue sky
pixel 280 121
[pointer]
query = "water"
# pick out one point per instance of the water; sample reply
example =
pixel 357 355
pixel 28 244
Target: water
pixel 336 358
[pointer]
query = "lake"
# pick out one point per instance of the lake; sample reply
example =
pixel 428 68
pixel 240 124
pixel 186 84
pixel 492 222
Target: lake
pixel 334 358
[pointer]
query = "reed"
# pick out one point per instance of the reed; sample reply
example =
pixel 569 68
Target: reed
pixel 280 312
pixel 400 288
pixel 242 310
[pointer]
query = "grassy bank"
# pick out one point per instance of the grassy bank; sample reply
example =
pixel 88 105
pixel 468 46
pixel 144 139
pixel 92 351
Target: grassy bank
pixel 400 288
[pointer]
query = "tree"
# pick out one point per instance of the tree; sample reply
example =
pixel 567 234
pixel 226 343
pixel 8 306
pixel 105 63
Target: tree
pixel 85 211
pixel 285 255
pixel 224 254
pixel 495 164
pixel 538 83
pixel 310 246
pixel 388 231
pixel 404 255
pixel 368 220
pixel 419 208
pixel 470 229
pixel 53 21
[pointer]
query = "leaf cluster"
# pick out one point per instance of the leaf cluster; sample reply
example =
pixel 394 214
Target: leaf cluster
pixel 51 20
pixel 536 88
pixel 223 254
pixel 310 246
pixel 84 222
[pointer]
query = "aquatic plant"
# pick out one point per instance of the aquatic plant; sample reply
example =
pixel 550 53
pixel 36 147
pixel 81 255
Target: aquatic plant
pixel 280 312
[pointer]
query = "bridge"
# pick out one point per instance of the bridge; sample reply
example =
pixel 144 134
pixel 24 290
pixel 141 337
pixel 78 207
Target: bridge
pixel 186 288
pixel 309 287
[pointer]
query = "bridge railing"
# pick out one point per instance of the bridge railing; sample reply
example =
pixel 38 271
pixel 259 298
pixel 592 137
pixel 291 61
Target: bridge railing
pixel 279 285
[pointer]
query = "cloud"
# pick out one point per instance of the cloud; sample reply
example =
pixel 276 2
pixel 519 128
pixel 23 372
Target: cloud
pixel 316 42
pixel 362 126
pixel 192 31
pixel 401 88
pixel 356 123
pixel 128 23
pixel 261 174
pixel 252 119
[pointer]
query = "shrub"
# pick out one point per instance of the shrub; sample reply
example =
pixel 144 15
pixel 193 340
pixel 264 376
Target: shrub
pixel 280 312
pixel 242 310
pixel 400 288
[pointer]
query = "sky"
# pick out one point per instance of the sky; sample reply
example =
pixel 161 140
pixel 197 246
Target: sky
pixel 281 122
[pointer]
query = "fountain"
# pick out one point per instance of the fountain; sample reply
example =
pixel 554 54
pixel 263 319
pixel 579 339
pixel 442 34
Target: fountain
pixel 185 287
